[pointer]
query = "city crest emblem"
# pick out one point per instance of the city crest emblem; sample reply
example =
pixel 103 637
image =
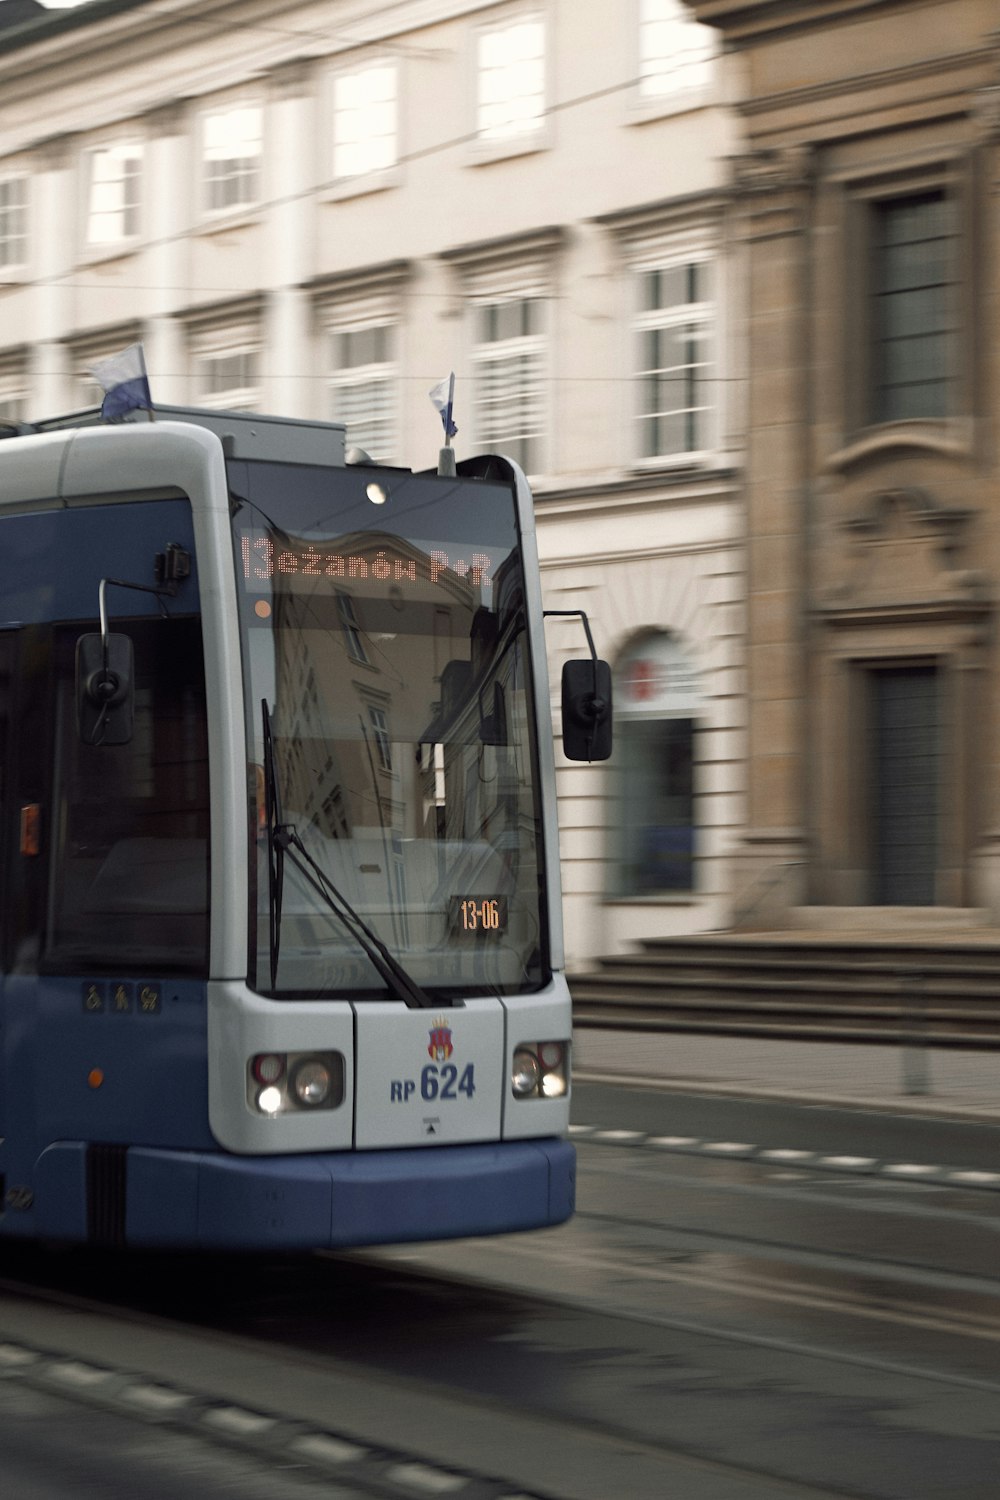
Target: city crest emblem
pixel 440 1048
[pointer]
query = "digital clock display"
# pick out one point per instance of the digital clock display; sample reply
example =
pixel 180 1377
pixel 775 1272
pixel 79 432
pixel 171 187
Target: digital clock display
pixel 471 916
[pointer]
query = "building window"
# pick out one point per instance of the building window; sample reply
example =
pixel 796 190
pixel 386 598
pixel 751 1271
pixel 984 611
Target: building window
pixel 657 703
pixel 352 629
pixel 13 400
pixel 511 73
pixel 379 721
pixel 675 52
pixel 13 221
pixel 364 121
pixel 509 362
pixel 229 380
pixel 363 387
pixel 232 158
pixel 914 307
pixel 675 377
pixel 115 180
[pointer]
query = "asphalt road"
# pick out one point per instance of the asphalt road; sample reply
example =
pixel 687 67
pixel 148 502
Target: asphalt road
pixel 707 1328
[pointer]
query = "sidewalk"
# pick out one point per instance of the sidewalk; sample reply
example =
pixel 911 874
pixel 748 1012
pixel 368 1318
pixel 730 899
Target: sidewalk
pixel 932 1081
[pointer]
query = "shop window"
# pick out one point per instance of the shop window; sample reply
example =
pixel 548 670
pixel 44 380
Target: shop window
pixel 657 705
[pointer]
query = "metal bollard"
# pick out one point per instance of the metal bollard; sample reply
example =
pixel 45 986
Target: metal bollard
pixel 916 1065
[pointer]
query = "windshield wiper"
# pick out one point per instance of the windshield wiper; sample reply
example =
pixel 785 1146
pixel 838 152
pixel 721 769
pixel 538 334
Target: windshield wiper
pixel 276 845
pixel 282 839
pixel 402 984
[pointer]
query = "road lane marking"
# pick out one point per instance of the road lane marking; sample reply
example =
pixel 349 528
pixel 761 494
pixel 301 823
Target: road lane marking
pixel 434 1481
pixel 15 1358
pixel 73 1372
pixel 155 1398
pixel 327 1450
pixel 237 1420
pixel 745 1150
pixel 911 1169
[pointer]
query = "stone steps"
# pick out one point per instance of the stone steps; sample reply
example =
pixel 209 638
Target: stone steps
pixel 853 988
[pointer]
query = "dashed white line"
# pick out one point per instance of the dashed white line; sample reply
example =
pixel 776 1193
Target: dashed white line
pixel 234 1419
pixel 420 1477
pixel 154 1398
pixel 15 1358
pixel 976 1179
pixel 327 1450
pixel 72 1372
pixel 849 1163
pixel 786 1154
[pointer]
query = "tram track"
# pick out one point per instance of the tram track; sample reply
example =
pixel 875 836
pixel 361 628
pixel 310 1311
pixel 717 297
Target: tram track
pixel 747 1285
pixel 842 1261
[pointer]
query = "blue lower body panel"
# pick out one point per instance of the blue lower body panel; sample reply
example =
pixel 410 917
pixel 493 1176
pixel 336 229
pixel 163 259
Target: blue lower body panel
pixel 214 1201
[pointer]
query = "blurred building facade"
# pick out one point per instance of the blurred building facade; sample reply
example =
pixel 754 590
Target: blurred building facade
pixel 319 209
pixel 867 206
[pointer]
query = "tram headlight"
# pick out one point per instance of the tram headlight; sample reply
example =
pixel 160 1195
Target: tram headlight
pixel 311 1083
pixel 282 1083
pixel 269 1101
pixel 525 1073
pixel 540 1070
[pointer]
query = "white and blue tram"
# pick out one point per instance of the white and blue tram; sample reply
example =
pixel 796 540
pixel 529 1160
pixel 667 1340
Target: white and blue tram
pixel 281 944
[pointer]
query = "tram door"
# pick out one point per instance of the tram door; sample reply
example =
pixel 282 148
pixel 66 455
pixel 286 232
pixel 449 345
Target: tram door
pixel 905 785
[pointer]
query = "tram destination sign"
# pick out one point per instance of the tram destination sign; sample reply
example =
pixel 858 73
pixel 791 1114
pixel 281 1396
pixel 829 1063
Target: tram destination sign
pixel 265 560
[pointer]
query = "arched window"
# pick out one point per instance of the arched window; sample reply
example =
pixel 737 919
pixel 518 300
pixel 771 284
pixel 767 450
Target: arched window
pixel 657 703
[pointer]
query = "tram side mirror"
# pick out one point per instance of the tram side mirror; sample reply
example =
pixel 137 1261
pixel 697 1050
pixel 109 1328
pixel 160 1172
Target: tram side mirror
pixel 586 709
pixel 104 689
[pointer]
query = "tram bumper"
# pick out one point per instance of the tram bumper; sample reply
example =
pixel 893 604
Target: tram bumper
pixel 342 1200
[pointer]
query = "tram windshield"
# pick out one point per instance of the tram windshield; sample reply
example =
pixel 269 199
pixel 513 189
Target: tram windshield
pixel 385 656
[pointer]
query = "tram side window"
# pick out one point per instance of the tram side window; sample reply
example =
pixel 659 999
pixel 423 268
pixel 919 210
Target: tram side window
pixel 129 874
pixel 6 658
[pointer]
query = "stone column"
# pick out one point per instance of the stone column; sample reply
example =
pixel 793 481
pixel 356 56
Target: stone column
pixel 772 193
pixel 985 863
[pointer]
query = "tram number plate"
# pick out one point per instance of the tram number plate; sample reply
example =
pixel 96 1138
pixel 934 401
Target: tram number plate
pixel 437 1082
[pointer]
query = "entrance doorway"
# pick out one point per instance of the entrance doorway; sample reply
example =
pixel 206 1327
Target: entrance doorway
pixel 905 784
